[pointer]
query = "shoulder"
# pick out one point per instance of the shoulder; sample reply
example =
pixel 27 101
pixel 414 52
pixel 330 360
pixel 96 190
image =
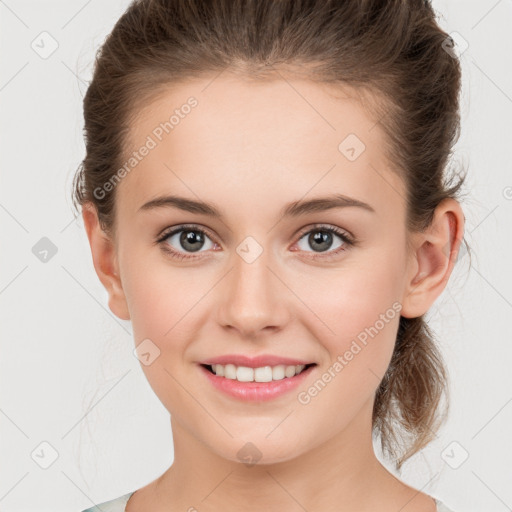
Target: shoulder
pixel 116 505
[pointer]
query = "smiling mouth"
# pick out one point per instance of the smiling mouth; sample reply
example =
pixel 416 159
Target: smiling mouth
pixel 262 374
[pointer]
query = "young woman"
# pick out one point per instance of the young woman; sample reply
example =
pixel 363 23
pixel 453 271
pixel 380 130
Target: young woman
pixel 266 200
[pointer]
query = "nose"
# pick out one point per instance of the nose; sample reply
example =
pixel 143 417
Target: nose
pixel 253 298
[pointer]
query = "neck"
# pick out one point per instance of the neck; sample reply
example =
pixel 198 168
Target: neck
pixel 342 470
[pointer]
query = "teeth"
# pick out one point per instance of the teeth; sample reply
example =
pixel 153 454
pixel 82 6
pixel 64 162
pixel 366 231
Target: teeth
pixel 262 374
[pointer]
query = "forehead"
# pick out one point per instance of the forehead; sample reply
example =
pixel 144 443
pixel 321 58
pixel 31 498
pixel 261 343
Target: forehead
pixel 227 139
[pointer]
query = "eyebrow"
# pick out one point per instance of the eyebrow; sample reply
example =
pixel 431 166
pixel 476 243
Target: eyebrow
pixel 293 209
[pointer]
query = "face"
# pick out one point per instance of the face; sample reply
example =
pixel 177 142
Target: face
pixel 323 285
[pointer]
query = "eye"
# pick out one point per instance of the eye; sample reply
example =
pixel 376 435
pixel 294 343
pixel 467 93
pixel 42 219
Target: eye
pixel 321 238
pixel 187 238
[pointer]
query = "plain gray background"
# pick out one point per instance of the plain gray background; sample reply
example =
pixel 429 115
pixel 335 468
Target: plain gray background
pixel 73 396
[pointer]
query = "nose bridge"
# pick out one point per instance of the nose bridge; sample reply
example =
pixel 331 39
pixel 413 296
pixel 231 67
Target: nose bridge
pixel 252 297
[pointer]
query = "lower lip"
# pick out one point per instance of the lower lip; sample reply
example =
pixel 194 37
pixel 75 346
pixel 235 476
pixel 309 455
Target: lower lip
pixel 256 391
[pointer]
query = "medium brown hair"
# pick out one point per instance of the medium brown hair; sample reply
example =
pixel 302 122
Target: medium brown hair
pixel 393 49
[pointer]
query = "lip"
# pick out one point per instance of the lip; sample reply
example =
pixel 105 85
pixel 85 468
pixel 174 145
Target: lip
pixel 255 362
pixel 256 391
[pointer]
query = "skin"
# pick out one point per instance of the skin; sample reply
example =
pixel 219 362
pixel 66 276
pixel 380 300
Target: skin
pixel 250 148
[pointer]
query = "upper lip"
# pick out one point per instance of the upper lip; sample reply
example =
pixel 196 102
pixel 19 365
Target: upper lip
pixel 254 362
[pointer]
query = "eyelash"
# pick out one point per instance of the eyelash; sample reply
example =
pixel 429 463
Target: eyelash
pixel 348 240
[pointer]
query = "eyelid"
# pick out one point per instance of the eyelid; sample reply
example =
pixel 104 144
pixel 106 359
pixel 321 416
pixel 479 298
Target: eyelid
pixel 165 233
pixel 341 232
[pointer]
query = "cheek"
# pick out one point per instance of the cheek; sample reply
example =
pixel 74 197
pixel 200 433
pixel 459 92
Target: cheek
pixel 356 307
pixel 356 320
pixel 160 301
pixel 163 301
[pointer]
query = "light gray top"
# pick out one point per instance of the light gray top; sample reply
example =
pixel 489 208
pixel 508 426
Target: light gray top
pixel 119 505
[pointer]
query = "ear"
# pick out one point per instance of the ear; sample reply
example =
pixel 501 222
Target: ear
pixel 434 255
pixel 105 262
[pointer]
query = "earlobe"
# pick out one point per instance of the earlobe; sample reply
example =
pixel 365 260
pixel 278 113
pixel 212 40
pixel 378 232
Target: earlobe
pixel 105 262
pixel 433 260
